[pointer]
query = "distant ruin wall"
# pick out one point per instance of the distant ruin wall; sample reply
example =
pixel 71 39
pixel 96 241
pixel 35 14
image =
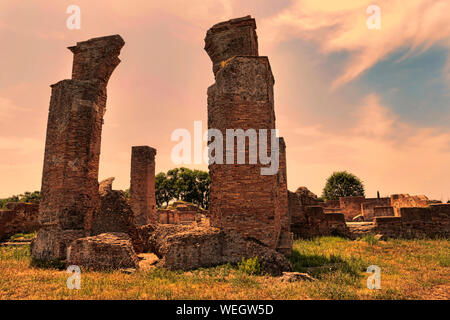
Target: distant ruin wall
pixel 418 222
pixel 369 204
pixel 350 206
pixel 399 201
pixel 383 211
pixel 142 184
pixel 18 217
pixel 308 221
pixel 71 161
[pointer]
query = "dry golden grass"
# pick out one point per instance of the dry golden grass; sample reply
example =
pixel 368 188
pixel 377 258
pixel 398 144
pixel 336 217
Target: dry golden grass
pixel 410 269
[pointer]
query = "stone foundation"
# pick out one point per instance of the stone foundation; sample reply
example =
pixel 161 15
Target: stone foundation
pixel 189 247
pixel 103 252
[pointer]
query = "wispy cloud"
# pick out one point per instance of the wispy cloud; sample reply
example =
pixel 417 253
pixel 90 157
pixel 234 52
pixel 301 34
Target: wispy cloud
pixel 341 26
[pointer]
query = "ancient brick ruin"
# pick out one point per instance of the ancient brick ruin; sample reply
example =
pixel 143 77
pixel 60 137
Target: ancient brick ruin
pixel 184 213
pixel 309 219
pixel 250 214
pixel 18 217
pixel 366 209
pixel 142 184
pixel 241 198
pixel 71 162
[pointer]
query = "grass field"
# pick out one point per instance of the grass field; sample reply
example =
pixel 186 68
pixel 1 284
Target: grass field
pixel 410 269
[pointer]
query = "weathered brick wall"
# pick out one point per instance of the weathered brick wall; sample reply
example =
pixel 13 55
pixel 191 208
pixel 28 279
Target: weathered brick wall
pixel 241 198
pixel 417 222
pixel 390 227
pixel 181 213
pixel 142 184
pixel 331 206
pixel 281 210
pixel 350 206
pixel 71 161
pixel 309 221
pixel 383 211
pixel 399 201
pixel 231 38
pixel 368 205
pixel 19 217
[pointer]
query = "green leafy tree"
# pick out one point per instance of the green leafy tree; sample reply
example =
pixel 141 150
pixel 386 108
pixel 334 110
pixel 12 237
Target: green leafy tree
pixel 164 191
pixel 27 196
pixel 34 197
pixel 182 184
pixel 342 184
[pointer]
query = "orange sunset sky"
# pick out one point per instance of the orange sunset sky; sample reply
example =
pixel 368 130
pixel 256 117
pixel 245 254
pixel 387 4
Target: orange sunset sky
pixel 373 102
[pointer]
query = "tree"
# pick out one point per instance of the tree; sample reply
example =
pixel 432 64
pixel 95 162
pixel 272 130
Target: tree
pixel 27 196
pixel 342 184
pixel 164 191
pixel 182 184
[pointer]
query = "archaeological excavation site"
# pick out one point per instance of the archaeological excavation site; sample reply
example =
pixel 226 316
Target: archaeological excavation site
pixel 81 221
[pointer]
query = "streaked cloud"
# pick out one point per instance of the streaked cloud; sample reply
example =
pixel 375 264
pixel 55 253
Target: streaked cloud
pixel 341 26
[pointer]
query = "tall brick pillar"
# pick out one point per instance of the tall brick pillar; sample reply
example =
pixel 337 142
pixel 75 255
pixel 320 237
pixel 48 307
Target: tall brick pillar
pixel 242 199
pixel 70 176
pixel 142 185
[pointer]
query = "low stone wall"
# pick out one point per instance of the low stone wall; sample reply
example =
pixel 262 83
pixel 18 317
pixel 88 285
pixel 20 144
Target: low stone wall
pixel 181 213
pixel 383 211
pixel 350 206
pixel 420 222
pixel 19 217
pixel 308 221
pixel 331 206
pixel 368 206
pixel 399 201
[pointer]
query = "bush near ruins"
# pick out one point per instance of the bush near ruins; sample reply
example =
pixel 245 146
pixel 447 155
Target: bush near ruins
pixel 182 184
pixel 342 184
pixel 27 196
pixel 250 266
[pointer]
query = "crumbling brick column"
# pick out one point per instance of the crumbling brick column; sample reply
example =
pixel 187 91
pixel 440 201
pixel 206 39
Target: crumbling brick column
pixel 241 198
pixel 72 150
pixel 142 185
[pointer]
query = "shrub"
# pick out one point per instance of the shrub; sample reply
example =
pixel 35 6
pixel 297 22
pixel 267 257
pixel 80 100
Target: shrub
pixel 250 266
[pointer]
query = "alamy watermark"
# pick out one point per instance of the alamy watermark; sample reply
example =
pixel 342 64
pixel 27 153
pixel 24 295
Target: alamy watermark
pixel 374 20
pixel 258 146
pixel 74 280
pixel 74 20
pixel 374 280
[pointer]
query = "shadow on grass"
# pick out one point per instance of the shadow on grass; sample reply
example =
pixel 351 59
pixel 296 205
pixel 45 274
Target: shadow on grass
pixel 52 264
pixel 318 265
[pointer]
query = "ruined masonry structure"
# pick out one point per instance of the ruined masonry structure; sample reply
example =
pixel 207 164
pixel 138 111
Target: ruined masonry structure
pixel 241 199
pixel 142 185
pixel 71 162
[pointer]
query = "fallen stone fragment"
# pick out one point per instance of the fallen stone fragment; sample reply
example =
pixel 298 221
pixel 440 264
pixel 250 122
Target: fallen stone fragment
pixel 296 276
pixel 105 251
pixel 185 247
pixel 358 218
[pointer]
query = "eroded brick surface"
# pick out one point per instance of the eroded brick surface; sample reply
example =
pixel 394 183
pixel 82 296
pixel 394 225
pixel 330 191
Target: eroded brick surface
pixel 142 184
pixel 102 252
pixel 70 175
pixel 241 198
